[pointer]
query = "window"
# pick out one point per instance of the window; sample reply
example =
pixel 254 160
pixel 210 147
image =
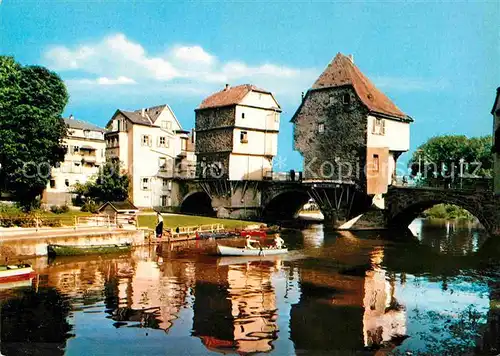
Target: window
pixel 244 137
pixel 164 200
pixel 162 141
pixel 145 184
pixel 346 99
pixel 165 183
pixel 118 122
pixel 378 127
pixel 162 162
pixel 321 128
pixel 375 163
pixel 52 183
pixel 146 140
pixel 166 125
pixel 242 115
pixel 86 133
pixel 276 117
pixel 66 182
pixel 77 164
pixel 76 149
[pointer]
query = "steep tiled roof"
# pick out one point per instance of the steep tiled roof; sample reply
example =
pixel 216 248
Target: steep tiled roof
pixel 342 71
pixel 81 125
pixel 136 117
pixel 229 96
pixel 153 112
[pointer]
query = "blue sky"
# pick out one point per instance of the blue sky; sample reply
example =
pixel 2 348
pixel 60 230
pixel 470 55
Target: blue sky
pixel 439 62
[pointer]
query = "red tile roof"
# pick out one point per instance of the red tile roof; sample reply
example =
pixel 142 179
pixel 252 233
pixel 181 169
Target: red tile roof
pixel 342 71
pixel 229 96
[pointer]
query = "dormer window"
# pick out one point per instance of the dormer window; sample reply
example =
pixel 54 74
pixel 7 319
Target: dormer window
pixel 346 99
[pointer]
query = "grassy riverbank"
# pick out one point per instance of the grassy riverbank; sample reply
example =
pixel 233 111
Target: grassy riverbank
pixel 174 220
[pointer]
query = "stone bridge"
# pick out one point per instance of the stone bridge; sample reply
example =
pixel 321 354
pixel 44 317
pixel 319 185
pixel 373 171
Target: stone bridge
pixel 404 204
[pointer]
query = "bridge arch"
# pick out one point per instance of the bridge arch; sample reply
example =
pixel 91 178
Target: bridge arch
pixel 198 203
pixel 284 205
pixel 405 204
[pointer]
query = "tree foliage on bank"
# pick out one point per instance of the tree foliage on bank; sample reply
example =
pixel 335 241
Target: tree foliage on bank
pixel 110 185
pixel 32 99
pixel 443 156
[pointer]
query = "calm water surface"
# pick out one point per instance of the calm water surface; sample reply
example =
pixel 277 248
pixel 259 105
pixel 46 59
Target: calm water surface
pixel 335 293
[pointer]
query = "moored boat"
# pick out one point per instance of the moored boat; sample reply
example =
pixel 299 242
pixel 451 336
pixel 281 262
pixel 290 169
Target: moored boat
pixel 75 250
pixel 11 273
pixel 243 251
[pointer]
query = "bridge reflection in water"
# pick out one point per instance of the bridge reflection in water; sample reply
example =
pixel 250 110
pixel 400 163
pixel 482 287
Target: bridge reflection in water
pixel 335 293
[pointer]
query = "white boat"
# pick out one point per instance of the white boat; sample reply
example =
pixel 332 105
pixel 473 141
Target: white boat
pixel 9 273
pixel 243 251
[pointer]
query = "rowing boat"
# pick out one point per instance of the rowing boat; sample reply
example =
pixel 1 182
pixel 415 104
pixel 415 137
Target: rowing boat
pixel 75 250
pixel 243 251
pixel 11 273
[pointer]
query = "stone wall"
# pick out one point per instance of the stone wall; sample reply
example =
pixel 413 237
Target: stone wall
pixel 220 140
pixel 214 118
pixel 338 153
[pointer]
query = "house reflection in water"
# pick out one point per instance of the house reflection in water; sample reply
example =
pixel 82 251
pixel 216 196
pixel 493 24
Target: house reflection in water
pixel 347 310
pixel 235 307
pixel 384 319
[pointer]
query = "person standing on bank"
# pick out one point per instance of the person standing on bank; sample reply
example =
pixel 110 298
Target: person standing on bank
pixel 159 225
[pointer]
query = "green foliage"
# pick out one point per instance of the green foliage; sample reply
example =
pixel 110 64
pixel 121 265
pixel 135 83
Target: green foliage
pixel 90 206
pixel 110 185
pixel 448 211
pixel 59 209
pixel 441 156
pixel 32 100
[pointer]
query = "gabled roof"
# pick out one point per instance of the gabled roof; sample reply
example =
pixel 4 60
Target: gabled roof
pixel 150 115
pixel 342 71
pixel 119 205
pixel 495 104
pixel 81 125
pixel 230 96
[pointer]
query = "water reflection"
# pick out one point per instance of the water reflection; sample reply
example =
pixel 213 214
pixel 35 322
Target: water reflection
pixel 339 292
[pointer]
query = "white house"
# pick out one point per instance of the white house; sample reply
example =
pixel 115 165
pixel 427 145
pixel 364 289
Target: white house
pixel 237 133
pixel 85 153
pixel 154 149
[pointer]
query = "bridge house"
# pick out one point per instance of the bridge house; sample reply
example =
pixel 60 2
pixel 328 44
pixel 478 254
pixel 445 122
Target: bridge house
pixel 348 131
pixel 154 150
pixel 237 133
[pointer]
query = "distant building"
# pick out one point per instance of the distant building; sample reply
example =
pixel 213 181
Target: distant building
pixel 345 124
pixel 237 133
pixel 85 153
pixel 495 111
pixel 154 149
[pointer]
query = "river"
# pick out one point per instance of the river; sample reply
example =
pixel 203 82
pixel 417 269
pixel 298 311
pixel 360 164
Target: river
pixel 334 293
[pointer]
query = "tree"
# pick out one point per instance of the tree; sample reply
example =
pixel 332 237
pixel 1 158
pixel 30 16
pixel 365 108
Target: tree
pixel 445 157
pixel 32 99
pixel 110 185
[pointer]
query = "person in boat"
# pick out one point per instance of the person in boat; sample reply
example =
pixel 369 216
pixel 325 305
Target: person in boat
pixel 159 225
pixel 278 241
pixel 250 242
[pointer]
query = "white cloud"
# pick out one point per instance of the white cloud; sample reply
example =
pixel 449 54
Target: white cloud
pixel 121 80
pixel 117 60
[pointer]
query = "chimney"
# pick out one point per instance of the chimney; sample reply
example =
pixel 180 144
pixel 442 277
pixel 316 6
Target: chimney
pixel 71 117
pixel 143 112
pixel 227 87
pixel 351 58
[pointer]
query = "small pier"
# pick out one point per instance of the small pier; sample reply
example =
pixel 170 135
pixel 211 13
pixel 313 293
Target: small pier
pixel 182 233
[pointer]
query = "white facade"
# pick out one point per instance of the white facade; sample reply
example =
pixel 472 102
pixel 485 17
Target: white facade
pixel 153 149
pixel 85 153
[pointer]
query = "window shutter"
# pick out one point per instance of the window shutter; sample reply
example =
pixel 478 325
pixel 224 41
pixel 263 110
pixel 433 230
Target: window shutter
pixel 383 127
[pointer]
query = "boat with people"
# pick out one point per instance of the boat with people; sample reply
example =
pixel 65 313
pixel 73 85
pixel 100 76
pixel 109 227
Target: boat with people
pixel 12 273
pixel 76 250
pixel 245 251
